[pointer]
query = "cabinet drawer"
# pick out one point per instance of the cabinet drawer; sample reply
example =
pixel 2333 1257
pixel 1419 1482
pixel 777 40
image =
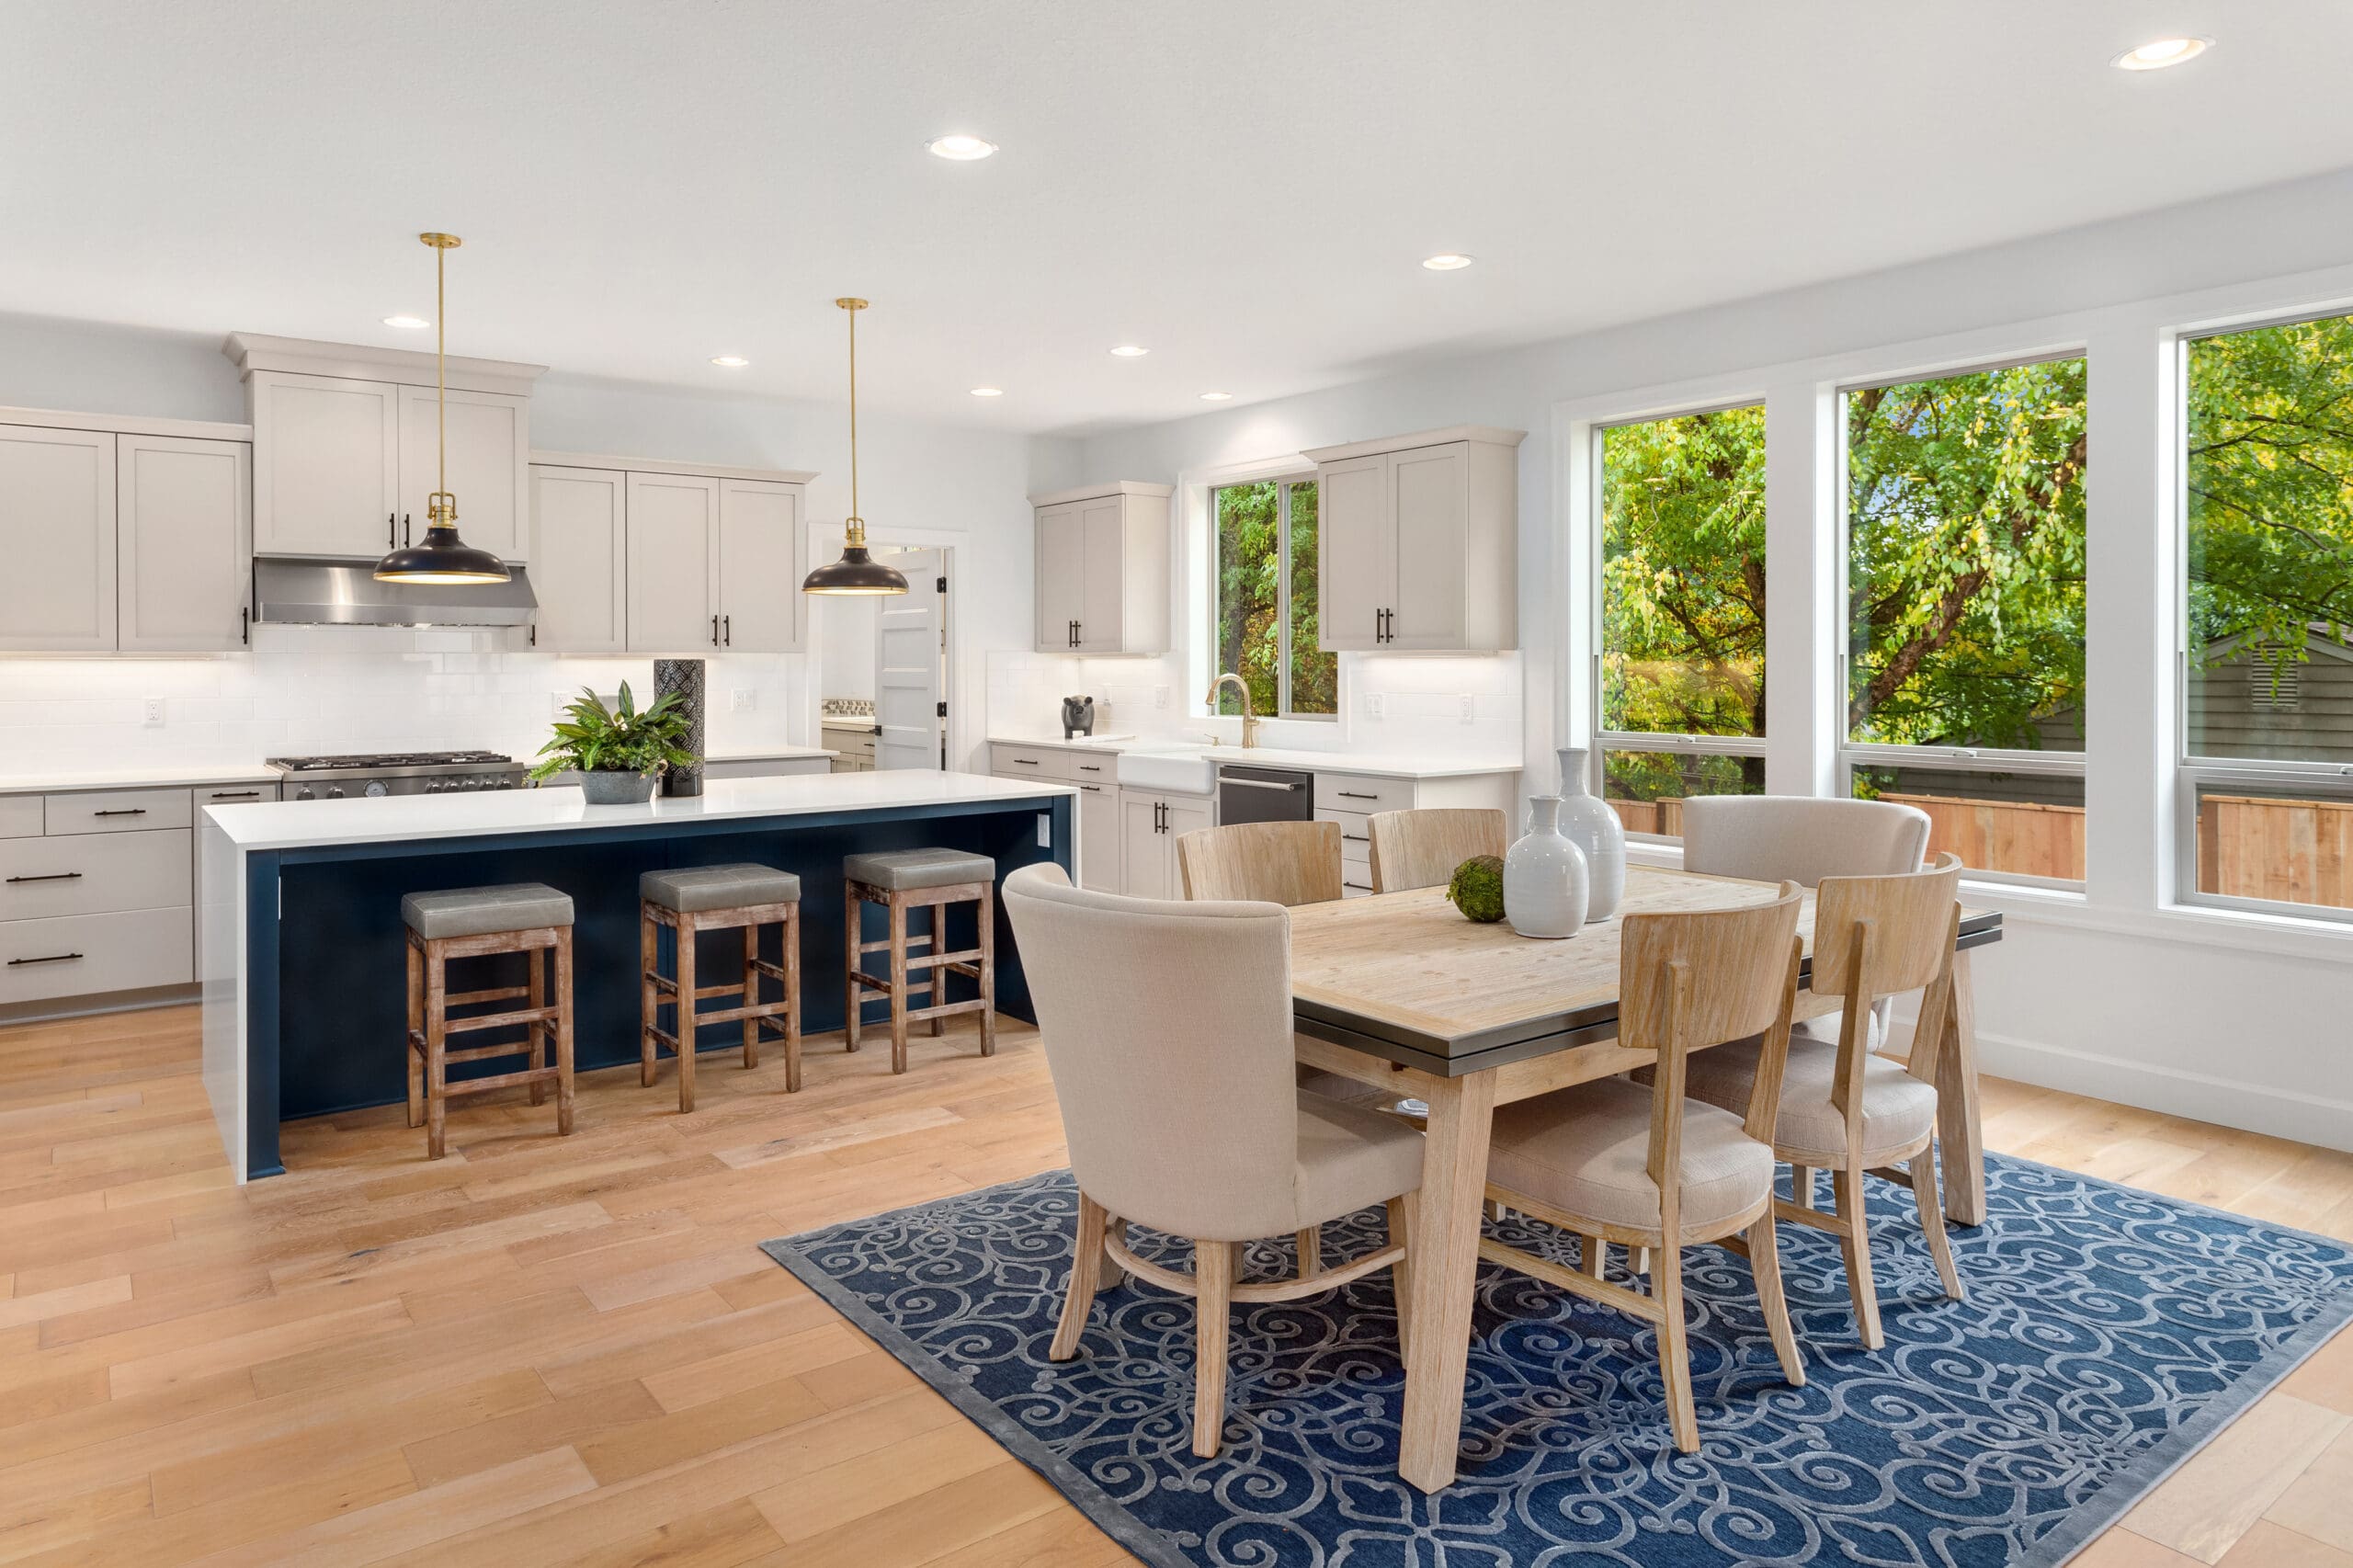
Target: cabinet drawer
pixel 1355 792
pixel 1356 881
pixel 20 816
pixel 1029 761
pixel 81 955
pixel 92 873
pixel 118 810
pixel 232 794
pixel 1082 768
pixel 1356 838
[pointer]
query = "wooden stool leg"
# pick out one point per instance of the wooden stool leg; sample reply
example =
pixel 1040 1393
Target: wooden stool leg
pixel 938 970
pixel 750 994
pixel 649 1001
pixel 686 1014
pixel 853 937
pixel 898 983
pixel 535 993
pixel 562 1029
pixel 988 970
pixel 792 999
pixel 416 1058
pixel 437 1045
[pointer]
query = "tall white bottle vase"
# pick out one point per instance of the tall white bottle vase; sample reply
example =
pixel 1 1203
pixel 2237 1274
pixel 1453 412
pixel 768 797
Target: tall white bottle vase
pixel 1544 877
pixel 1593 827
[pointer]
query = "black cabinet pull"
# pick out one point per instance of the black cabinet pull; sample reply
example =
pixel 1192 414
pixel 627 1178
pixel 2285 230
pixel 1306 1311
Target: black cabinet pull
pixel 122 812
pixel 1359 886
pixel 245 624
pixel 714 631
pixel 237 794
pixel 1025 762
pixel 391 531
pixel 53 958
pixel 1090 768
pixel 51 877
pixel 727 629
pixel 408 535
pixel 1353 795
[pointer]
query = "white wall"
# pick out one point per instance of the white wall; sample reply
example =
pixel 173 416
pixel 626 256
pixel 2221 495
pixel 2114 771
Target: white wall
pixel 308 689
pixel 2114 992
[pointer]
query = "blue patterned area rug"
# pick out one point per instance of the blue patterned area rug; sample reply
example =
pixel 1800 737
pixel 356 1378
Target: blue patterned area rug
pixel 2108 1333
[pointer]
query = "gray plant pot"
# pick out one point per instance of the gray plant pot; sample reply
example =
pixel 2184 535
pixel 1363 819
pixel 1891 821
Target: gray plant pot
pixel 616 789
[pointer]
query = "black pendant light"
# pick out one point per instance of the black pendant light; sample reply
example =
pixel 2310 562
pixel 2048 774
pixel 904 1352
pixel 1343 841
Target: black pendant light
pixel 855 572
pixel 443 557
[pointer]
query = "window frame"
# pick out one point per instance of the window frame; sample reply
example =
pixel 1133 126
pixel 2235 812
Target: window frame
pixel 2193 770
pixel 1283 481
pixel 1850 754
pixel 1605 741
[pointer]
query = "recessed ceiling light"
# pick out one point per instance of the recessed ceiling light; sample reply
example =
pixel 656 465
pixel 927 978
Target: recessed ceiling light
pixel 2159 53
pixel 1131 351
pixel 960 149
pixel 1448 261
pixel 731 361
pixel 1216 397
pixel 407 323
pixel 988 391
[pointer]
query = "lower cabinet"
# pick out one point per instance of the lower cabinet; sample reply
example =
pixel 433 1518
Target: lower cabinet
pixel 1099 837
pixel 1150 825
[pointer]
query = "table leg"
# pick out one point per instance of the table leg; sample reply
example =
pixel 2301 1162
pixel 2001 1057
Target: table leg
pixel 1960 1131
pixel 1443 1277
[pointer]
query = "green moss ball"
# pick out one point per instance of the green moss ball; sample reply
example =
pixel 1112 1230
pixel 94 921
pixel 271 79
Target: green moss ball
pixel 1477 889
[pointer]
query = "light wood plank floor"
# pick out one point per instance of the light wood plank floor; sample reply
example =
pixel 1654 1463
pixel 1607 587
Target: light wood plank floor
pixel 549 1350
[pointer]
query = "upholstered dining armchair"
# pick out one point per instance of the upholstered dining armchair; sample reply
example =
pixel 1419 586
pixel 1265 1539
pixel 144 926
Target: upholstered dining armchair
pixel 1167 1028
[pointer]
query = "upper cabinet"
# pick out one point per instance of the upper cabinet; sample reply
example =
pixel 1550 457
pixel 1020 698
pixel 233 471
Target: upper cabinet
pixel 57 532
pixel 348 448
pixel 1103 569
pixel 1418 543
pixel 636 556
pixel 181 506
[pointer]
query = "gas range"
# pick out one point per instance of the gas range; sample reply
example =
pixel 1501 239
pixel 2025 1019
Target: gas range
pixel 396 773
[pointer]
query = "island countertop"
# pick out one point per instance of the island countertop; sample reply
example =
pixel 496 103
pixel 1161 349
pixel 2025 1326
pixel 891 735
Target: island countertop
pixel 299 824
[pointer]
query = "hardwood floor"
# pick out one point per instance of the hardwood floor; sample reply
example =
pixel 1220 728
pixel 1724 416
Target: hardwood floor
pixel 547 1350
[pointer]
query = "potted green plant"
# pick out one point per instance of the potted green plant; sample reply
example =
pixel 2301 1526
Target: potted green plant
pixel 619 751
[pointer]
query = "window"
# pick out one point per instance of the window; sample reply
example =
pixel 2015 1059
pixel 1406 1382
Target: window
pixel 2267 616
pixel 1964 677
pixel 1264 566
pixel 1681 675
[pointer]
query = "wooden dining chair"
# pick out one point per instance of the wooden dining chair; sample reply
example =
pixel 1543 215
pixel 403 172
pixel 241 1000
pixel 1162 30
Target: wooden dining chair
pixel 1167 1028
pixel 1842 1107
pixel 1422 849
pixel 1643 1166
pixel 1288 863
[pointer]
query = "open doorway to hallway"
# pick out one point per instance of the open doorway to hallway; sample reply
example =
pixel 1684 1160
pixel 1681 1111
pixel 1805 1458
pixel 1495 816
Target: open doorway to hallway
pixel 883 667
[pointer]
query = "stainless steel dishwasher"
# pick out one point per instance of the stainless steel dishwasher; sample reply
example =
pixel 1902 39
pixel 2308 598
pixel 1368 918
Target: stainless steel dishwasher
pixel 1246 792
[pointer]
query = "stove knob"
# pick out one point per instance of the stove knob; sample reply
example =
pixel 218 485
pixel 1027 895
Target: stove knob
pixel 304 793
pixel 334 791
pixel 378 790
pixel 507 783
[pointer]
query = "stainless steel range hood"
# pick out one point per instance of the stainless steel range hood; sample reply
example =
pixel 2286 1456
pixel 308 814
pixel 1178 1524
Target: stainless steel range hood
pixel 291 592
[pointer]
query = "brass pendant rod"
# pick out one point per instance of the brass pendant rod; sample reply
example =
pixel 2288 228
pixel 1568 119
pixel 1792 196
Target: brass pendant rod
pixel 854 532
pixel 440 366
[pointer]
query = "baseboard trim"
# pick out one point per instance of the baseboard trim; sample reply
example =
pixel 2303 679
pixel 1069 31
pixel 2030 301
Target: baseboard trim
pixel 53 1008
pixel 2195 1097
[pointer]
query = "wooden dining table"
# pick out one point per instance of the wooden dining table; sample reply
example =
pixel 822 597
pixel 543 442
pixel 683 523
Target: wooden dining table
pixel 1401 992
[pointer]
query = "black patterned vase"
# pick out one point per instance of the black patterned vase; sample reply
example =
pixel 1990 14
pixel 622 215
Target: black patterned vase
pixel 682 678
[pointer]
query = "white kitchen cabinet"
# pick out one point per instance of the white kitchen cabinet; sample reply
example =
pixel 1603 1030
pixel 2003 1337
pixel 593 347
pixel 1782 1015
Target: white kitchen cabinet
pixel 182 556
pixel 488 467
pixel 674 564
pixel 1103 584
pixel 1417 543
pixel 1149 824
pixel 57 533
pixel 1099 837
pixel 326 465
pixel 580 566
pixel 761 608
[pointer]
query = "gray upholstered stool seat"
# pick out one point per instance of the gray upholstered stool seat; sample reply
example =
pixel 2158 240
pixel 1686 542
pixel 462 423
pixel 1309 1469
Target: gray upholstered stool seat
pixel 904 871
pixel 700 888
pixel 478 911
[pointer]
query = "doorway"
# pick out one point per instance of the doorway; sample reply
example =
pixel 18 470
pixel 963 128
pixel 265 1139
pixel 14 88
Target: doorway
pixel 883 669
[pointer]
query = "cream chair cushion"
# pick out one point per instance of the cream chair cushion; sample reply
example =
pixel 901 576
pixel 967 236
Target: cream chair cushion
pixel 1898 1110
pixel 1351 1157
pixel 1585 1151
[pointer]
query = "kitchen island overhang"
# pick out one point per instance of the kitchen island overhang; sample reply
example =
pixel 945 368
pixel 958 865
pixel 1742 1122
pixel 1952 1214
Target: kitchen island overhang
pixel 300 940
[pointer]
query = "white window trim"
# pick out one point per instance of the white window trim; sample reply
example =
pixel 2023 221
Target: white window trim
pixel 1284 481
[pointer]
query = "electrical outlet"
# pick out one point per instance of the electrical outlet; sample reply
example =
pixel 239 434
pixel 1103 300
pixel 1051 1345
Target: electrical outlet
pixel 1470 708
pixel 1372 705
pixel 154 711
pixel 742 700
pixel 1160 697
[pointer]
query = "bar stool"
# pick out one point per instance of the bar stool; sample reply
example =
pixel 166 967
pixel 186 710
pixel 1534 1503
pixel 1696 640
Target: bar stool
pixel 531 918
pixel 900 880
pixel 718 898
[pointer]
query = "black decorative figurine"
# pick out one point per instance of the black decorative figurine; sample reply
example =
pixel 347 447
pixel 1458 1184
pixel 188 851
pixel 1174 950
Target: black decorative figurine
pixel 682 678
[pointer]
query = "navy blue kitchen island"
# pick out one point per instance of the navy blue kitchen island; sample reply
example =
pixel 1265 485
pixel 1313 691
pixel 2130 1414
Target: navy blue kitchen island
pixel 300 947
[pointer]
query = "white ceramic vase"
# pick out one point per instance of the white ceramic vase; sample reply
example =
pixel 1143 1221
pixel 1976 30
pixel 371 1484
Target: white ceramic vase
pixel 1592 826
pixel 1544 877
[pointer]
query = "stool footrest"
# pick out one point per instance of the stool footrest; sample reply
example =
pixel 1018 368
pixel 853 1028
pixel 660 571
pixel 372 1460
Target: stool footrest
pixel 502 993
pixel 669 987
pixel 502 1081
pixel 470 1052
pixel 926 960
pixel 547 1014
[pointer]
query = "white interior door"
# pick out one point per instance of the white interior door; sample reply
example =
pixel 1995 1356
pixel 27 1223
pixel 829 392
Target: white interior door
pixel 909 638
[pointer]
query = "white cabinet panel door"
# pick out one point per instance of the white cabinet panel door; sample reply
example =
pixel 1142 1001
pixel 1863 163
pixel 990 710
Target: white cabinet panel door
pixel 181 534
pixel 760 606
pixel 1356 552
pixel 673 564
pixel 580 558
pixel 57 533
pixel 326 480
pixel 1186 814
pixel 1147 861
pixel 1062 575
pixel 1102 626
pixel 1099 837
pixel 1430 494
pixel 489 461
pixel 909 677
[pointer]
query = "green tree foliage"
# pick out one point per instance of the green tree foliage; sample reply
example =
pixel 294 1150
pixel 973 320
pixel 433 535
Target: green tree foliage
pixel 1249 600
pixel 2270 481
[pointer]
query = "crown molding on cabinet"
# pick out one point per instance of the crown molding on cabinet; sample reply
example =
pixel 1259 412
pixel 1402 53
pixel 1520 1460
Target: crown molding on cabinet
pixel 128 425
pixel 672 465
pixel 1484 433
pixel 1109 487
pixel 402 367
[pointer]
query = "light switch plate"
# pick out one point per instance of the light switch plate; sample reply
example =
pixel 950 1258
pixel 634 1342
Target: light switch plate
pixel 1470 708
pixel 1372 705
pixel 1160 697
pixel 742 700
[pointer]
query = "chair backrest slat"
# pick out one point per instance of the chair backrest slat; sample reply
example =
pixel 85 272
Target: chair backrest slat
pixel 1910 918
pixel 1421 848
pixel 1737 960
pixel 1272 862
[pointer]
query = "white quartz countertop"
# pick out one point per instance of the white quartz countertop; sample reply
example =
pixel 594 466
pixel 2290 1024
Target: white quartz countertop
pixel 1377 765
pixel 297 824
pixel 157 777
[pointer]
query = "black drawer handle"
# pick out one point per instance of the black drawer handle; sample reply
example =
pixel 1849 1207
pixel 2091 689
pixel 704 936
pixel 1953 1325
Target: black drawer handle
pixel 1089 768
pixel 53 958
pixel 1359 886
pixel 1352 795
pixel 1026 761
pixel 122 812
pixel 1358 837
pixel 51 877
pixel 237 794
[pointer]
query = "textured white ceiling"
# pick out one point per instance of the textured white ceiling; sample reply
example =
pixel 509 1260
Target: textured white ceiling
pixel 1245 186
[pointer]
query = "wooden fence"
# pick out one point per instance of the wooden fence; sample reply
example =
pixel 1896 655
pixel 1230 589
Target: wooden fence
pixel 2295 851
